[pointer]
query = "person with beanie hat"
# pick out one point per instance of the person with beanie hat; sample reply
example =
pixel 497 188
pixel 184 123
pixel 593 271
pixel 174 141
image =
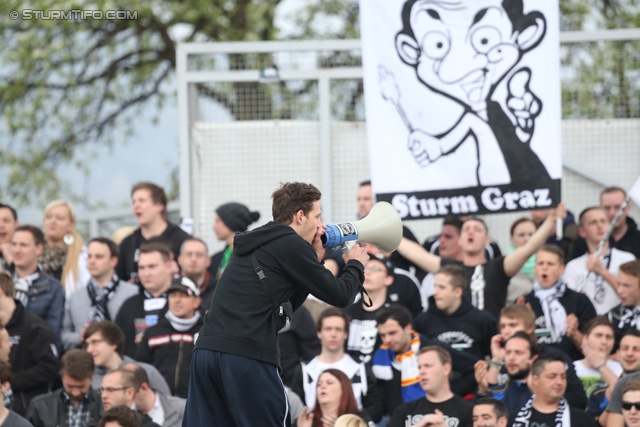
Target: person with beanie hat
pixel 231 218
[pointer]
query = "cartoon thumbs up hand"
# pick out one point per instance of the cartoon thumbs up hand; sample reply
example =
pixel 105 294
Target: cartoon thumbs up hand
pixel 523 104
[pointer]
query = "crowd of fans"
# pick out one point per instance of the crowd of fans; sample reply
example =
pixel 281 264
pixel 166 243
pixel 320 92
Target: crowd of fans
pixel 457 334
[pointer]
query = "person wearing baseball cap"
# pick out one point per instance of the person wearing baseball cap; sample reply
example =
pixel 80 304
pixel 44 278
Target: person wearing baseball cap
pixel 231 218
pixel 169 344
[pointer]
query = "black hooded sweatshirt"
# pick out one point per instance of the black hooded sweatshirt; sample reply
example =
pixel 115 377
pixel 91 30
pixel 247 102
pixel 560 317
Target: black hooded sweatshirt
pixel 241 320
pixel 467 329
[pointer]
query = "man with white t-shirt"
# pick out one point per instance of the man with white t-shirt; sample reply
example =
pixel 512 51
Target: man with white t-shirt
pixel 596 370
pixel 595 274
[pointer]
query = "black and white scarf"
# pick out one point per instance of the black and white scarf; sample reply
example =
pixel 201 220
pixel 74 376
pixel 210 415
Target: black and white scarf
pixel 629 316
pixel 99 310
pixel 182 325
pixel 23 284
pixel 599 289
pixel 555 315
pixel 523 418
pixel 476 286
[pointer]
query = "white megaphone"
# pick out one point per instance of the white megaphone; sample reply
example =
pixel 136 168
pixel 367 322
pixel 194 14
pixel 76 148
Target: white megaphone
pixel 382 228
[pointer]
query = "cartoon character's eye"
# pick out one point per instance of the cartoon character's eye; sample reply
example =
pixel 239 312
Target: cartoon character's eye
pixel 435 44
pixel 484 39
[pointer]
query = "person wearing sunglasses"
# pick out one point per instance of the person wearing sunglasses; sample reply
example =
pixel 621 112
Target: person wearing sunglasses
pixel 631 403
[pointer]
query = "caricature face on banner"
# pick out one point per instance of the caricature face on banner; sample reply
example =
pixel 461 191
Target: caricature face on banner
pixel 463 104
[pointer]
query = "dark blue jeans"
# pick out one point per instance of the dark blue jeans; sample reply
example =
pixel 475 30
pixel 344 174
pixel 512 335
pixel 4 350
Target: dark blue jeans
pixel 234 391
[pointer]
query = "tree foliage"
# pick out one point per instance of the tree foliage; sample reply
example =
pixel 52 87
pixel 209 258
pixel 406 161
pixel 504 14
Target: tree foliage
pixel 68 83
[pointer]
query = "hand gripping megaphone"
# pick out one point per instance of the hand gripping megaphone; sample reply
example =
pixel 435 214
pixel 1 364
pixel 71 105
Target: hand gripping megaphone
pixel 382 228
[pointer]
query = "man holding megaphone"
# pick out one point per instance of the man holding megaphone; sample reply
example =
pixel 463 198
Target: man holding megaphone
pixel 235 377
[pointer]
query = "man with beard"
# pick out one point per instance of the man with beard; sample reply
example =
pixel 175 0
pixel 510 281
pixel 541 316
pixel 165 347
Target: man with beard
pixel 547 406
pixel 520 352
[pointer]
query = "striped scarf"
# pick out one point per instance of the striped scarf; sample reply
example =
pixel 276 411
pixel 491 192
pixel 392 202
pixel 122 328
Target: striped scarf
pixel 523 419
pixel 385 360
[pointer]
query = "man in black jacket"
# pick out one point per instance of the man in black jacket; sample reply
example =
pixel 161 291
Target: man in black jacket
pixel 169 345
pixel 236 359
pixel 145 310
pixel 34 355
pixel 76 402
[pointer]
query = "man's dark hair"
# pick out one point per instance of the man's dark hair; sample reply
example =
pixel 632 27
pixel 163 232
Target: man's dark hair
pixel 499 408
pixel 157 194
pixel 585 211
pixel 139 374
pixel 538 365
pixel 633 385
pixel 365 183
pixel 633 332
pixel 457 276
pixel 519 221
pixel 5 372
pixel 593 323
pixel 78 364
pixel 157 244
pixel 110 332
pixel 38 235
pixel 443 355
pixel 533 344
pixel 453 221
pixel 114 251
pixel 14 214
pixel 332 312
pixel 395 312
pixel 613 189
pixel 194 239
pixel 514 9
pixel 7 285
pixel 122 415
pixel 632 268
pixel 480 220
pixel 521 313
pixel 292 197
pixel 552 249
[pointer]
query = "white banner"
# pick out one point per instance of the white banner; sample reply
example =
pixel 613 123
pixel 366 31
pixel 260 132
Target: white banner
pixel 463 104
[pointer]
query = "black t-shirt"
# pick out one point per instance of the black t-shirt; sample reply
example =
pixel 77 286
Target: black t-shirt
pixel 363 338
pixel 538 419
pixel 495 283
pixel 457 412
pixel 542 420
pixel 127 267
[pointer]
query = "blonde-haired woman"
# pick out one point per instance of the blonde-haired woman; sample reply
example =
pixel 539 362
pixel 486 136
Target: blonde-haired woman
pixel 64 256
pixel 350 420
